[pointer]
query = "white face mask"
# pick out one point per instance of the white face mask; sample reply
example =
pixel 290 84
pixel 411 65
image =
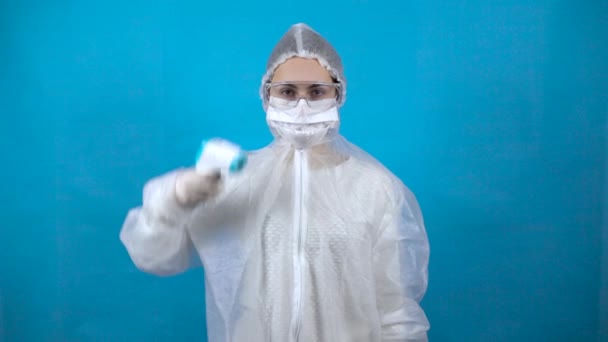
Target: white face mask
pixel 302 126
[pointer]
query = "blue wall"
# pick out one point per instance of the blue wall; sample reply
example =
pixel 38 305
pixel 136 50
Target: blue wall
pixel 494 114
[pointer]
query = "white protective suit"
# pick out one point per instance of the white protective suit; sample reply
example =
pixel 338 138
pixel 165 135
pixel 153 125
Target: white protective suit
pixel 316 244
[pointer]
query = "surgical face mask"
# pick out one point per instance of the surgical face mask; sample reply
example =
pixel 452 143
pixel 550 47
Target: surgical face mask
pixel 304 125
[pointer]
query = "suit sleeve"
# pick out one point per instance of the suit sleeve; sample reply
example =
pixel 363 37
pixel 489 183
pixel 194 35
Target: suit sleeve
pixel 401 256
pixel 155 234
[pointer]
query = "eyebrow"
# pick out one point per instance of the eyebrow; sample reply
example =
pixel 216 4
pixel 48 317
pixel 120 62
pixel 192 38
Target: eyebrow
pixel 313 85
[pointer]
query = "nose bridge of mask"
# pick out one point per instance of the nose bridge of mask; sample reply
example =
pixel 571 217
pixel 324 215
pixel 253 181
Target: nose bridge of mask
pixel 298 107
pixel 302 114
pixel 302 107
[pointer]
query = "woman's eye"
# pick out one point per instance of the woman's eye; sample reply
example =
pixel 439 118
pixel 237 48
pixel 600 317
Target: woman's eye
pixel 287 92
pixel 316 93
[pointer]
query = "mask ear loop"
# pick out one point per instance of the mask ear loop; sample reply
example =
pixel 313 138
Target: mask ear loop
pixel 267 91
pixel 338 89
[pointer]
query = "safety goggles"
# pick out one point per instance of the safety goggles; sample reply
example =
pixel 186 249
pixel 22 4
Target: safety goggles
pixel 287 95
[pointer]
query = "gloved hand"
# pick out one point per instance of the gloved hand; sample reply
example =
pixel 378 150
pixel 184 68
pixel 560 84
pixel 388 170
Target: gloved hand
pixel 192 187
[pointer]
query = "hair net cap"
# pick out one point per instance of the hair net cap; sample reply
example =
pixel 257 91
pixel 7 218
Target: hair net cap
pixel 302 41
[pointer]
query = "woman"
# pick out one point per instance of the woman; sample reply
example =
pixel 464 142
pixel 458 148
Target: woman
pixel 313 241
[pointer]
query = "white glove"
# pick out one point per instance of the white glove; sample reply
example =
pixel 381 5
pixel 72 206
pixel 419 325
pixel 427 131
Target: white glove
pixel 192 187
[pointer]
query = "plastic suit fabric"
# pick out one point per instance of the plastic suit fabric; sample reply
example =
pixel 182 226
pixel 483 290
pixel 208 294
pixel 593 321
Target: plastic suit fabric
pixel 317 244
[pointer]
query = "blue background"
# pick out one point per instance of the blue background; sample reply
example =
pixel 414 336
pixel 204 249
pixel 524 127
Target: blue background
pixel 493 113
